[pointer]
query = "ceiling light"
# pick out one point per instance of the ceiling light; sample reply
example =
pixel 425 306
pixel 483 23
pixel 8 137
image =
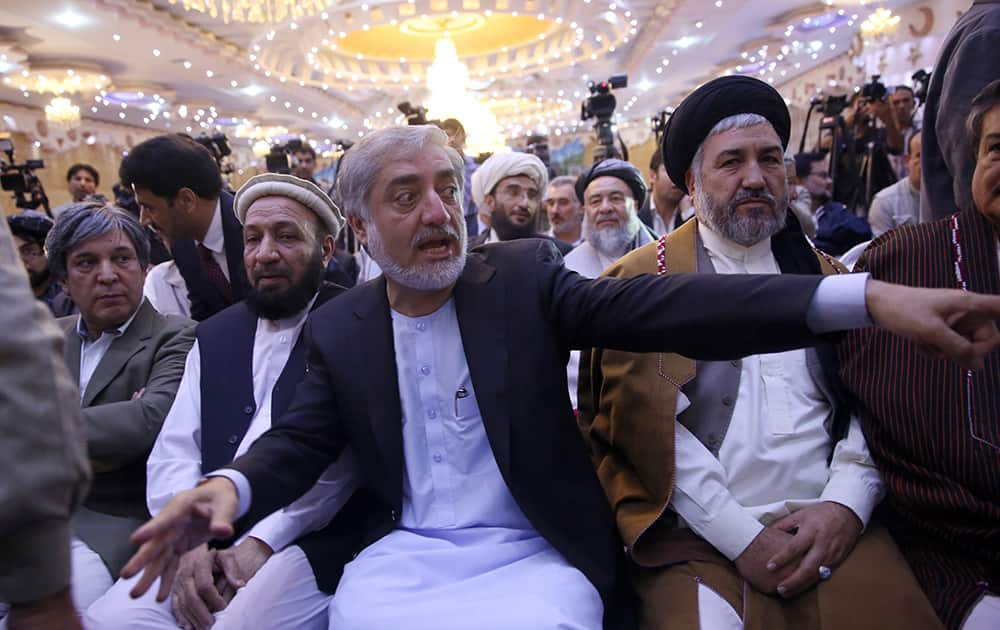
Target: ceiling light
pixel 70 19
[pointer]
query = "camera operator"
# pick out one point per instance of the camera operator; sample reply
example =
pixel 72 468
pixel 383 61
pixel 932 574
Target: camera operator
pixel 81 180
pixel 864 149
pixel 29 229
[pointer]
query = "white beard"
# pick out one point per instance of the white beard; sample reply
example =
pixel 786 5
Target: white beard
pixel 430 277
pixel 613 241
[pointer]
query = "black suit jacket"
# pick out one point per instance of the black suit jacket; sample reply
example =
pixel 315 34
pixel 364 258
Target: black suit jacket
pixel 520 311
pixel 480 239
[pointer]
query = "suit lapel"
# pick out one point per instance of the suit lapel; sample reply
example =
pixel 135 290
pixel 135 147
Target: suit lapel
pixel 122 349
pixel 479 306
pixel 375 348
pixel 72 352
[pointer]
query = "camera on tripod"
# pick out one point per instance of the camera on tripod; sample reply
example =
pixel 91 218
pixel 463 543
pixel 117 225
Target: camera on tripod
pixel 279 159
pixel 20 179
pixel 600 105
pixel 874 90
pixel 921 81
pixel 658 123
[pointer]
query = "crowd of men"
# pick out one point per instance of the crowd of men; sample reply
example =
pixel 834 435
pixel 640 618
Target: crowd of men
pixel 672 408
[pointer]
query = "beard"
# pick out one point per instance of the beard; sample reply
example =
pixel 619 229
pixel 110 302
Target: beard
pixel 745 230
pixel 433 276
pixel 567 226
pixel 613 242
pixel 506 229
pixel 283 303
pixel 38 278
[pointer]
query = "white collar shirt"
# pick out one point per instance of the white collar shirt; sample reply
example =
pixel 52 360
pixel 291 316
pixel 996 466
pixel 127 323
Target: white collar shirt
pixel 93 350
pixel 774 458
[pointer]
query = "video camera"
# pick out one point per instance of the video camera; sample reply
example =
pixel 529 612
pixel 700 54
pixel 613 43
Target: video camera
pixel 414 115
pixel 600 105
pixel 874 90
pixel 20 179
pixel 279 159
pixel 659 122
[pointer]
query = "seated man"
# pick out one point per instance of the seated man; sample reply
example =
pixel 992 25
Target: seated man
pixel 290 227
pixel 742 488
pixel 128 360
pixel 507 190
pixel 837 228
pixel 899 204
pixel 934 429
pixel 29 229
pixel 612 190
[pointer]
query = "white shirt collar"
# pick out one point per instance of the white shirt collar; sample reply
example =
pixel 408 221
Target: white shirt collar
pixel 215 239
pixel 723 247
pixel 81 327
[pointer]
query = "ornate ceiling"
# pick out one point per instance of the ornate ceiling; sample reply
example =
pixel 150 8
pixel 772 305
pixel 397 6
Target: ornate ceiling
pixel 332 69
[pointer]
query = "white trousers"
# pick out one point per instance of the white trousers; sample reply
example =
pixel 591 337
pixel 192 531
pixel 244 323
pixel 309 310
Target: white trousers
pixel 985 615
pixel 90 577
pixel 715 613
pixel 283 594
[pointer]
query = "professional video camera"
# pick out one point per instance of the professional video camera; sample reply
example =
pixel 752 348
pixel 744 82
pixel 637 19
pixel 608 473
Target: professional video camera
pixel 280 159
pixel 414 115
pixel 921 81
pixel 600 105
pixel 659 122
pixel 20 179
pixel 875 90
pixel 218 146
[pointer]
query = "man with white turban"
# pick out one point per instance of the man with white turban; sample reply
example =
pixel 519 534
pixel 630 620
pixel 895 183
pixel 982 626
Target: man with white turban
pixel 507 189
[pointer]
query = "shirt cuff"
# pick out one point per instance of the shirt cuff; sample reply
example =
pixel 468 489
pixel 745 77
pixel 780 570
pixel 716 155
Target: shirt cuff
pixel 276 530
pixel 242 488
pixel 857 495
pixel 731 530
pixel 839 304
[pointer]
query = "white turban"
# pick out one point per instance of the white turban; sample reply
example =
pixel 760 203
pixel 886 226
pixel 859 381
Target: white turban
pixel 281 185
pixel 503 165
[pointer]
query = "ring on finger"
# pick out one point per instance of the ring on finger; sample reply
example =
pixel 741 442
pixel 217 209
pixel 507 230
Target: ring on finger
pixel 825 572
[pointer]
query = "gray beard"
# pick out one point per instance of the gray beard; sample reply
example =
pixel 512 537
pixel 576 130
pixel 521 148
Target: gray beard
pixel 612 242
pixel 431 277
pixel 742 230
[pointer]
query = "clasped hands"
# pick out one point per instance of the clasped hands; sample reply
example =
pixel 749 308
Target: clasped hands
pixel 784 559
pixel 207 580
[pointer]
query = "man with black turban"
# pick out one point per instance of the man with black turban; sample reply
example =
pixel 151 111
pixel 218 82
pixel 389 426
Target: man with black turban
pixel 742 488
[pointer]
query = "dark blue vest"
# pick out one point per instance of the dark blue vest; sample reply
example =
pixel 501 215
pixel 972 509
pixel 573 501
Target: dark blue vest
pixel 225 344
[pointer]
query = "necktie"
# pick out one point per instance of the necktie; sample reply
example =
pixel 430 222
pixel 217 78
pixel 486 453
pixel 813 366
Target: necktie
pixel 214 272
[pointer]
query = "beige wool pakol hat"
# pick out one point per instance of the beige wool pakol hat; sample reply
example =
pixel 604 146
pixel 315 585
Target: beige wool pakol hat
pixel 281 185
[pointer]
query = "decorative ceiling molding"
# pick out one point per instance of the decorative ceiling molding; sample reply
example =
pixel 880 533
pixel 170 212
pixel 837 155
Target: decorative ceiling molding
pixel 653 31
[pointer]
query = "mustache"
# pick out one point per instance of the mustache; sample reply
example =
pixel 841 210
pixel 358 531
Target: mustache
pixel 445 232
pixel 746 194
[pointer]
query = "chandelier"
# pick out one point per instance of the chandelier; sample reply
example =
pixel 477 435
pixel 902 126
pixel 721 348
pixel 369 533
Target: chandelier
pixel 255 11
pixel 880 24
pixel 448 83
pixel 62 111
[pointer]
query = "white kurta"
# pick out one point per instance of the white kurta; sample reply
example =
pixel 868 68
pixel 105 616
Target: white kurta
pixel 773 460
pixel 166 290
pixel 464 555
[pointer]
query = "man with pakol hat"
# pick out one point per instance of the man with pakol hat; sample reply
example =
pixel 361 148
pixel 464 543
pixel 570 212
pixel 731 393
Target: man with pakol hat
pixel 239 377
pixel 742 488
pixel 611 191
pixel 507 190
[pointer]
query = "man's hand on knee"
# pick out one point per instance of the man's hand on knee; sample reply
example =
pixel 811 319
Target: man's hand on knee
pixel 195 596
pixel 752 563
pixel 240 563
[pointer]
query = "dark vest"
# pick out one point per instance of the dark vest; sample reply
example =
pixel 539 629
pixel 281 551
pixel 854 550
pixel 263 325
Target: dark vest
pixel 225 345
pixel 206 300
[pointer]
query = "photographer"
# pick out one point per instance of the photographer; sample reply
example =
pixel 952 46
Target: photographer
pixel 29 230
pixel 862 167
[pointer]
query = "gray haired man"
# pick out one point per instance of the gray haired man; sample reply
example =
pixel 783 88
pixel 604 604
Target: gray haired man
pixel 128 360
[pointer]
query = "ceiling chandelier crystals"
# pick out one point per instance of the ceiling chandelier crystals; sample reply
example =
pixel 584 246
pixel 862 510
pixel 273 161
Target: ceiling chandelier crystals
pixel 255 11
pixel 879 27
pixel 62 111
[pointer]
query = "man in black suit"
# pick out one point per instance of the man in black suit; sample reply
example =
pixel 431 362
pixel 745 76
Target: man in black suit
pixel 446 376
pixel 179 191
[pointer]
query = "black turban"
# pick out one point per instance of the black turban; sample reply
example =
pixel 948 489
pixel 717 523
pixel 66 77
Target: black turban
pixel 705 107
pixel 613 167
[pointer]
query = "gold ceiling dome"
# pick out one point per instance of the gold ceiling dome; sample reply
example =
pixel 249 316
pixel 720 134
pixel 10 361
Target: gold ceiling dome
pixel 392 44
